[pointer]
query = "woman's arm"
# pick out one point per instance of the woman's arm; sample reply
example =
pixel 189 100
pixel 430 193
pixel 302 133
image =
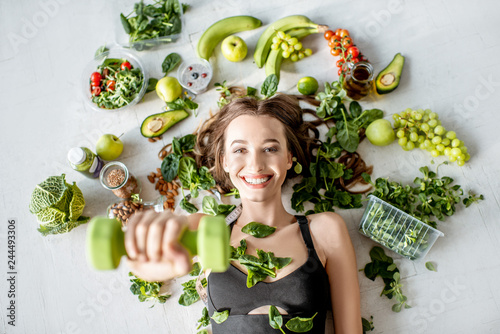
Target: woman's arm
pixel 334 242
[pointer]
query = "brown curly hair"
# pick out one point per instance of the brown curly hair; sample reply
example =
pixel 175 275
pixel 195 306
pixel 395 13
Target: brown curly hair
pixel 302 136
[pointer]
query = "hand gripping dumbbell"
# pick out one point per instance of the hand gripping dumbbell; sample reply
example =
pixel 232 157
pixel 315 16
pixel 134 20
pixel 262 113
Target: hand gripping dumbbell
pixel 106 246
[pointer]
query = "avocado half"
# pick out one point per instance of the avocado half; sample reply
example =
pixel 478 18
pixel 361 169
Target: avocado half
pixel 388 79
pixel 156 124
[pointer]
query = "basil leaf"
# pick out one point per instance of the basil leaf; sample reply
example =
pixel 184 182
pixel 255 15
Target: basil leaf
pixel 270 86
pixel 258 230
pixel 170 62
pixel 275 318
pixel 209 205
pixel 430 266
pixel 220 317
pixel 189 207
pixel 151 85
pixel 300 325
pixel 169 167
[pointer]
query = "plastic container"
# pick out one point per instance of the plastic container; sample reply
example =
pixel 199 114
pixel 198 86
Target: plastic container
pixel 116 177
pixel 123 39
pixel 92 67
pixel 123 210
pixel 396 230
pixel 195 75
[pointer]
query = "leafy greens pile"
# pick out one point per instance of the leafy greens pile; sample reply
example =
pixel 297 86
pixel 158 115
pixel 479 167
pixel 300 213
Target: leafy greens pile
pixel 147 290
pixel 58 205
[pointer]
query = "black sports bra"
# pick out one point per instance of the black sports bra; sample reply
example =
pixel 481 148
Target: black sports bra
pixel 302 293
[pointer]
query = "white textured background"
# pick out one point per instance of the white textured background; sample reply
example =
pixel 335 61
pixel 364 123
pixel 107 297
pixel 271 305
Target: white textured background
pixel 451 50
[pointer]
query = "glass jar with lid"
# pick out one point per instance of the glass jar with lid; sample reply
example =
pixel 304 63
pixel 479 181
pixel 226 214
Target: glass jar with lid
pixel 116 177
pixel 358 82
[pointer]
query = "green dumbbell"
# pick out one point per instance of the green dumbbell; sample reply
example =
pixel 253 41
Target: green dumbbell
pixel 106 246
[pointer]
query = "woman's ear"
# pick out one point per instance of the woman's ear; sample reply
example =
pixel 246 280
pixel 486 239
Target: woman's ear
pixel 224 164
pixel 289 163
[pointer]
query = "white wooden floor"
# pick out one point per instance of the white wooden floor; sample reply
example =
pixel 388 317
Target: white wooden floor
pixel 451 48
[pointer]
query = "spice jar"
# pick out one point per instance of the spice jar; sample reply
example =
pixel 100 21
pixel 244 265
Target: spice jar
pixel 358 82
pixel 116 177
pixel 123 210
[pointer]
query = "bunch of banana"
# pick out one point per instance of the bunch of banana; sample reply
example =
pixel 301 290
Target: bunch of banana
pixel 221 29
pixel 275 57
pixel 286 24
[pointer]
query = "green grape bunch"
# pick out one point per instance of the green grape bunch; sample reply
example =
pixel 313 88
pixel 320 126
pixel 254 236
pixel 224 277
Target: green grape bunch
pixel 423 129
pixel 290 46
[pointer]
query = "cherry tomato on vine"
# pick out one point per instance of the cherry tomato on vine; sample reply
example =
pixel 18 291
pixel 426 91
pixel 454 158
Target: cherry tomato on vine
pixel 355 60
pixel 96 91
pixel 110 85
pixel 334 51
pixel 328 34
pixel 353 51
pixel 338 31
pixel 340 63
pixel 125 65
pixel 346 42
pixel 339 71
pixel 332 43
pixel 95 78
pixel 344 33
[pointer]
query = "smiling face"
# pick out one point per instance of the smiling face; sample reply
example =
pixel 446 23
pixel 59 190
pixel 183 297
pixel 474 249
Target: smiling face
pixel 256 156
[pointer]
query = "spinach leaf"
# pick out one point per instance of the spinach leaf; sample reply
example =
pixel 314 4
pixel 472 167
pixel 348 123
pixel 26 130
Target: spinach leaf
pixel 347 135
pixel 300 325
pixel 367 325
pixel 189 294
pixel 430 266
pixel 125 24
pixel 151 85
pixel 100 51
pixel 203 331
pixel 209 205
pixel 251 91
pixel 275 318
pixel 170 62
pixel 270 86
pixel 354 109
pixel 147 290
pixel 196 270
pixel 187 206
pixel 187 171
pixel 220 317
pixel 225 209
pixel 169 167
pixel 204 321
pixel 258 230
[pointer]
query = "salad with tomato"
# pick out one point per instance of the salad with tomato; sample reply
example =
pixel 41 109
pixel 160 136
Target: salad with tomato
pixel 115 84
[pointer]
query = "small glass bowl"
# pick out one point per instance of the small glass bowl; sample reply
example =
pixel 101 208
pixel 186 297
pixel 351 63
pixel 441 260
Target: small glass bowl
pixel 91 67
pixel 195 75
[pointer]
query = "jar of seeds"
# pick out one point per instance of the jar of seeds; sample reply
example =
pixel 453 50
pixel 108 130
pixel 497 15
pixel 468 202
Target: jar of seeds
pixel 116 177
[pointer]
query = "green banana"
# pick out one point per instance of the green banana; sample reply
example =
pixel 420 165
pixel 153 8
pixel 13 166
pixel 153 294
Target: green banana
pixel 266 39
pixel 275 57
pixel 221 29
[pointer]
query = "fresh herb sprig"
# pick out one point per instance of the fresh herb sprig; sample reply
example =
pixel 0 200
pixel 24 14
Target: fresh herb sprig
pixel 296 325
pixel 431 197
pixel 320 183
pixel 383 265
pixel 147 290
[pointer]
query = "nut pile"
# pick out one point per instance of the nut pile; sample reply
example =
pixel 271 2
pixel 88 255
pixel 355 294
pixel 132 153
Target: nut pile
pixel 154 139
pixel 168 189
pixel 124 209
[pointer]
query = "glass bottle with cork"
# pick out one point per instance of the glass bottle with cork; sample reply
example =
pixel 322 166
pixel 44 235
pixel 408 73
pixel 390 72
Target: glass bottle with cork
pixel 85 161
pixel 358 82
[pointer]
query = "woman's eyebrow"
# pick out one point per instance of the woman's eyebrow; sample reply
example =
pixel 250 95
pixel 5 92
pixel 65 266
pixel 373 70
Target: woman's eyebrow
pixel 241 141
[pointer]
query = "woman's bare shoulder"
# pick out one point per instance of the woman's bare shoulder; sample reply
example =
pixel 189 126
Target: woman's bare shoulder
pixel 329 230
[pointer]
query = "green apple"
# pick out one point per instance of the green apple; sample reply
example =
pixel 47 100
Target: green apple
pixel 109 147
pixel 380 132
pixel 234 48
pixel 168 89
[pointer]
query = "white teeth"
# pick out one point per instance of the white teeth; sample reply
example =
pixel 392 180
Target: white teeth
pixel 257 181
